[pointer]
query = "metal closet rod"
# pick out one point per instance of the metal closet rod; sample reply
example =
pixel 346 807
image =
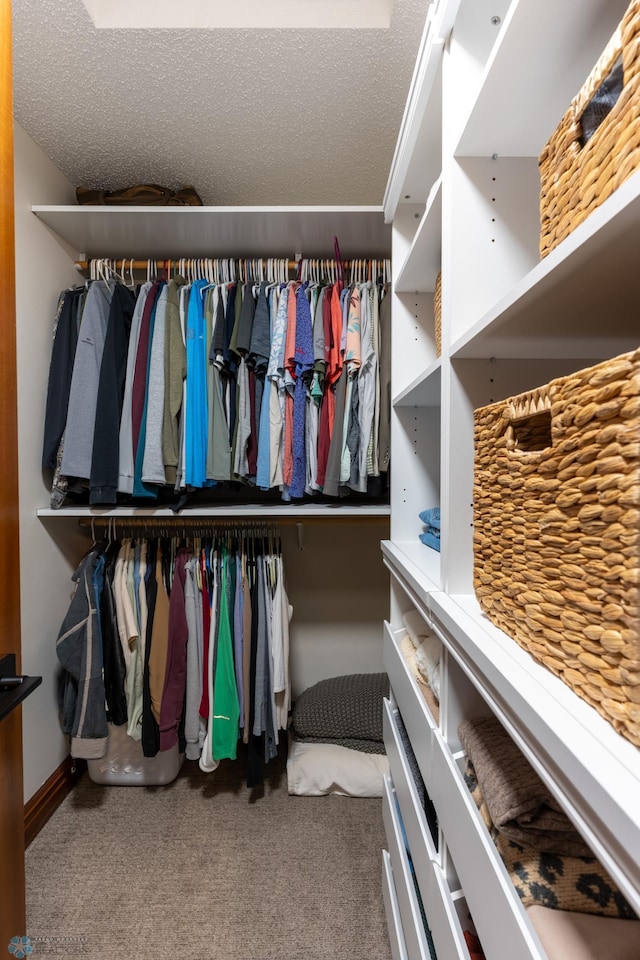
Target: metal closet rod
pixel 227 521
pixel 168 263
pixel 116 527
pixel 119 526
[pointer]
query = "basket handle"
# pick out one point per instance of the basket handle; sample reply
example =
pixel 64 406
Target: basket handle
pixel 528 422
pixel 601 91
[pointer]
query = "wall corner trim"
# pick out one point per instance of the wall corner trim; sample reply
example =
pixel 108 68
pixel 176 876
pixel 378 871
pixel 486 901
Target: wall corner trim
pixel 48 798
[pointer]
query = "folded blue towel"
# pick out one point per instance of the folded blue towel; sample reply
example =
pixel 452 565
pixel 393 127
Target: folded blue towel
pixel 431 540
pixel 431 517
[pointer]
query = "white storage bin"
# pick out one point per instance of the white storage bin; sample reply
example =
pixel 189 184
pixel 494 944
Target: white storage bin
pixel 124 764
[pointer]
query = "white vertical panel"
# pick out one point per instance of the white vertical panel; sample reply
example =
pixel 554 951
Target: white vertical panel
pixel 496 223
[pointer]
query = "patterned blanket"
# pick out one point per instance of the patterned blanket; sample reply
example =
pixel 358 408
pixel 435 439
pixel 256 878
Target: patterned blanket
pixel 580 884
pixel 520 804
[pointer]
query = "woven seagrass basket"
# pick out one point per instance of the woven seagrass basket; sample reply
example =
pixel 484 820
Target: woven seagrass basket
pixel 557 530
pixel 437 312
pixel 577 178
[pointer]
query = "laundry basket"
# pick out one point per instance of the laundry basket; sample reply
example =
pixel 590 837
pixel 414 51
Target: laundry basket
pixel 124 764
pixel 557 530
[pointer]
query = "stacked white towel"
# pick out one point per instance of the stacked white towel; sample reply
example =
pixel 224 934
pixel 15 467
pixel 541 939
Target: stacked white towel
pixel 428 649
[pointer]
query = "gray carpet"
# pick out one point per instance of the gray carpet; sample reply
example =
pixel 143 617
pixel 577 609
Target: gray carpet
pixel 205 868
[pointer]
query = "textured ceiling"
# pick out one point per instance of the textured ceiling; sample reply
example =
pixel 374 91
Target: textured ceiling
pixel 248 117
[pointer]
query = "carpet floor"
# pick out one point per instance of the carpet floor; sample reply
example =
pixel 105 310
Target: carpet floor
pixel 207 869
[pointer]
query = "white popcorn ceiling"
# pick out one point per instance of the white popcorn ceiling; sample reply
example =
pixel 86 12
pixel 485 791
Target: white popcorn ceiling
pixel 247 117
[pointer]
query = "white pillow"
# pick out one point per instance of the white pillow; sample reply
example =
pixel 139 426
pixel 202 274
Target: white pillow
pixel 319 769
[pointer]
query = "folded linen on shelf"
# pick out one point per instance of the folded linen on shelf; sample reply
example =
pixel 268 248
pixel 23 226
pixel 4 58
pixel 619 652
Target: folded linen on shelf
pixel 578 884
pixel 579 936
pixel 428 649
pixel 409 652
pixel 346 710
pixel 519 803
pixel 431 519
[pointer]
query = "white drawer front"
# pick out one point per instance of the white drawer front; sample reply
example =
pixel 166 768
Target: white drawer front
pixel 444 921
pixel 416 715
pixel 423 850
pixel 392 911
pixel 500 919
pixel 414 934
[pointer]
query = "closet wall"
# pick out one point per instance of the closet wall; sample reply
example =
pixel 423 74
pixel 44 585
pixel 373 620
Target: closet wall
pixel 47 550
pixel 335 577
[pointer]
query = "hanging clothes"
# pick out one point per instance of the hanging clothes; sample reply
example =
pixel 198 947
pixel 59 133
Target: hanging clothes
pixel 214 381
pixel 186 643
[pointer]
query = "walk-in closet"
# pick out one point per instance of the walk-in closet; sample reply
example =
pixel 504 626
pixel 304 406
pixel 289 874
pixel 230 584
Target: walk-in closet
pixel 320 517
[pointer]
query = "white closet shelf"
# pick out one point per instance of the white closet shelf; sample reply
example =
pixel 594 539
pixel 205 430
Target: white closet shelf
pixel 593 771
pixel 424 391
pixel 416 161
pixel 416 563
pixel 245 511
pixel 581 26
pixel 420 269
pixel 174 232
pixel 578 301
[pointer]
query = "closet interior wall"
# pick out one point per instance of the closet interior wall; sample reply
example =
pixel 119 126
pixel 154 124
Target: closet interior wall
pixel 336 581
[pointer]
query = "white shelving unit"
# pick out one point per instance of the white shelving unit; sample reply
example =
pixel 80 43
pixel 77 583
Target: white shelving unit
pixel 510 322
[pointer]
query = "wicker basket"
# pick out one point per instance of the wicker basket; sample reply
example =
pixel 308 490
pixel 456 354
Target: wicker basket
pixel 437 313
pixel 557 530
pixel 576 179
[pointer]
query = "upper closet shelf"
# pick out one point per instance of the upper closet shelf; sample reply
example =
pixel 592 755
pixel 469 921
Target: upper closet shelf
pixel 580 302
pixel 418 155
pixel 424 391
pixel 248 511
pixel 174 232
pixel 594 772
pixel 507 89
pixel 420 269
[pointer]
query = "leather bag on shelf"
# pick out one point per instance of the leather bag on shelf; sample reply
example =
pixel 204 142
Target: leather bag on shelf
pixel 141 195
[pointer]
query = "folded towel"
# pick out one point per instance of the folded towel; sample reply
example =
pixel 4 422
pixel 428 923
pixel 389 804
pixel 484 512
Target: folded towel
pixel 520 805
pixel 430 539
pixel 566 935
pixel 431 517
pixel 416 627
pixel 408 651
pixel 428 662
